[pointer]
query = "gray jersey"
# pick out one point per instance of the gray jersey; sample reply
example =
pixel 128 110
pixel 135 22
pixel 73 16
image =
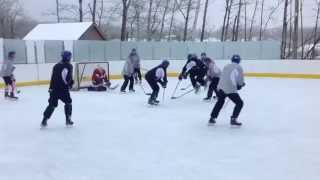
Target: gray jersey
pixel 231 77
pixel 7 68
pixel 128 68
pixel 213 70
pixel 135 59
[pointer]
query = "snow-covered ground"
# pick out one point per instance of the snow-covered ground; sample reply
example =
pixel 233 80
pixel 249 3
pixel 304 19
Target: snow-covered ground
pixel 119 137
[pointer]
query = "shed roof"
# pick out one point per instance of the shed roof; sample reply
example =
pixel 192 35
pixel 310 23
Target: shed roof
pixel 58 31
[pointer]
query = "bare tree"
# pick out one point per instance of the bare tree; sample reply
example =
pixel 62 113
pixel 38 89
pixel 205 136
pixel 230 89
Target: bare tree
pixel 236 32
pixel 81 10
pixel 228 20
pixel 125 8
pixel 185 32
pixel 100 13
pixel 290 28
pixel 172 18
pixel 284 30
pixel 296 30
pixel 93 10
pixel 58 10
pixel 272 12
pixel 10 11
pixel 163 18
pixel 204 20
pixel 315 33
pixel 245 19
pixel 261 19
pixel 302 34
pixel 252 19
pixel 196 17
pixel 149 19
pixel 224 20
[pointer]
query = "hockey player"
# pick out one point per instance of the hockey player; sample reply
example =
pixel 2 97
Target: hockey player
pixel 155 76
pixel 136 65
pixel 8 76
pixel 61 83
pixel 231 80
pixel 203 56
pixel 196 70
pixel 213 76
pixel 100 80
pixel 128 72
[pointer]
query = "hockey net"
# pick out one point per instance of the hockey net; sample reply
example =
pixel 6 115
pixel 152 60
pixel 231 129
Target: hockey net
pixel 84 70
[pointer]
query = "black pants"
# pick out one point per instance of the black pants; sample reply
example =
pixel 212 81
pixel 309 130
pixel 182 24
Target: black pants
pixel 97 88
pixel 213 86
pixel 137 74
pixel 154 86
pixel 197 77
pixel 8 80
pixel 126 81
pixel 65 97
pixel 221 100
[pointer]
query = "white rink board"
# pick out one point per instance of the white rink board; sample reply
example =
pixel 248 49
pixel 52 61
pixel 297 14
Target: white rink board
pixel 35 72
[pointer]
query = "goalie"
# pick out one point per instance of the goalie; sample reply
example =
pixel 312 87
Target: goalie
pixel 100 80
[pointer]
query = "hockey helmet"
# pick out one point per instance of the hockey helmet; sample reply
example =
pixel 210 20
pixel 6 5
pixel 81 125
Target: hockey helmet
pixel 236 59
pixel 165 63
pixel 66 56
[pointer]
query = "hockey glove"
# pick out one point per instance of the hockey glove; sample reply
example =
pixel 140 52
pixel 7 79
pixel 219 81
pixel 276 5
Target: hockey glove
pixel 180 77
pixel 163 84
pixel 185 76
pixel 239 87
pixel 71 83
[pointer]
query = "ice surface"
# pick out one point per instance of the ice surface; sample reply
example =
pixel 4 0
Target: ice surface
pixel 119 137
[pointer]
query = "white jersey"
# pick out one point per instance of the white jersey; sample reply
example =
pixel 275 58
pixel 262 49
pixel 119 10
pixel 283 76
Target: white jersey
pixel 231 77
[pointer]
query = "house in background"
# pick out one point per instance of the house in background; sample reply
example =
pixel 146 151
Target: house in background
pixel 65 31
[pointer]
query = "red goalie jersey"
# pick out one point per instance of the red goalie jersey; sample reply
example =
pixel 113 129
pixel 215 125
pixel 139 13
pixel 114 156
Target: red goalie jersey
pixel 99 77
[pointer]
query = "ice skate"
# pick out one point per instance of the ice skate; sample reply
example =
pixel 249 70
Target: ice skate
pixel 69 123
pixel 234 122
pixel 212 121
pixel 44 123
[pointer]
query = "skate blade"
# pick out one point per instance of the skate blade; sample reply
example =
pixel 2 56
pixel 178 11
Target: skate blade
pixel 69 126
pixel 43 127
pixel 233 126
pixel 211 124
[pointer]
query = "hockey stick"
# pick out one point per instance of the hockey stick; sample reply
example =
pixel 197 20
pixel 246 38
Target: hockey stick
pixel 144 91
pixel 180 96
pixel 175 89
pixel 185 88
pixel 113 87
pixel 163 94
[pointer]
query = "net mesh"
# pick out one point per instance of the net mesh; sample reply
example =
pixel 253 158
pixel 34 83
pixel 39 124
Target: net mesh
pixel 84 71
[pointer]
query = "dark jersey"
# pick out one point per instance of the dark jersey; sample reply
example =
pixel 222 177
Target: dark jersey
pixel 151 74
pixel 198 66
pixel 61 79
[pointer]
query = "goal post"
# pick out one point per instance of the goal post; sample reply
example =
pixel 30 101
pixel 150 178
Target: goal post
pixel 84 70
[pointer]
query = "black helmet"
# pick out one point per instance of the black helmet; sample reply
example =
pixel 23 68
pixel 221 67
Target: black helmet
pixel 165 63
pixel 236 59
pixel 11 54
pixel 66 56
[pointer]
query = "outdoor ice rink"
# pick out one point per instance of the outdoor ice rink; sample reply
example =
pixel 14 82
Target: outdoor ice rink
pixel 119 137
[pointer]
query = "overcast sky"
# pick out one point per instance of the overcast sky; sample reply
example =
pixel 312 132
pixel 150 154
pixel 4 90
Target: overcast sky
pixel 36 8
